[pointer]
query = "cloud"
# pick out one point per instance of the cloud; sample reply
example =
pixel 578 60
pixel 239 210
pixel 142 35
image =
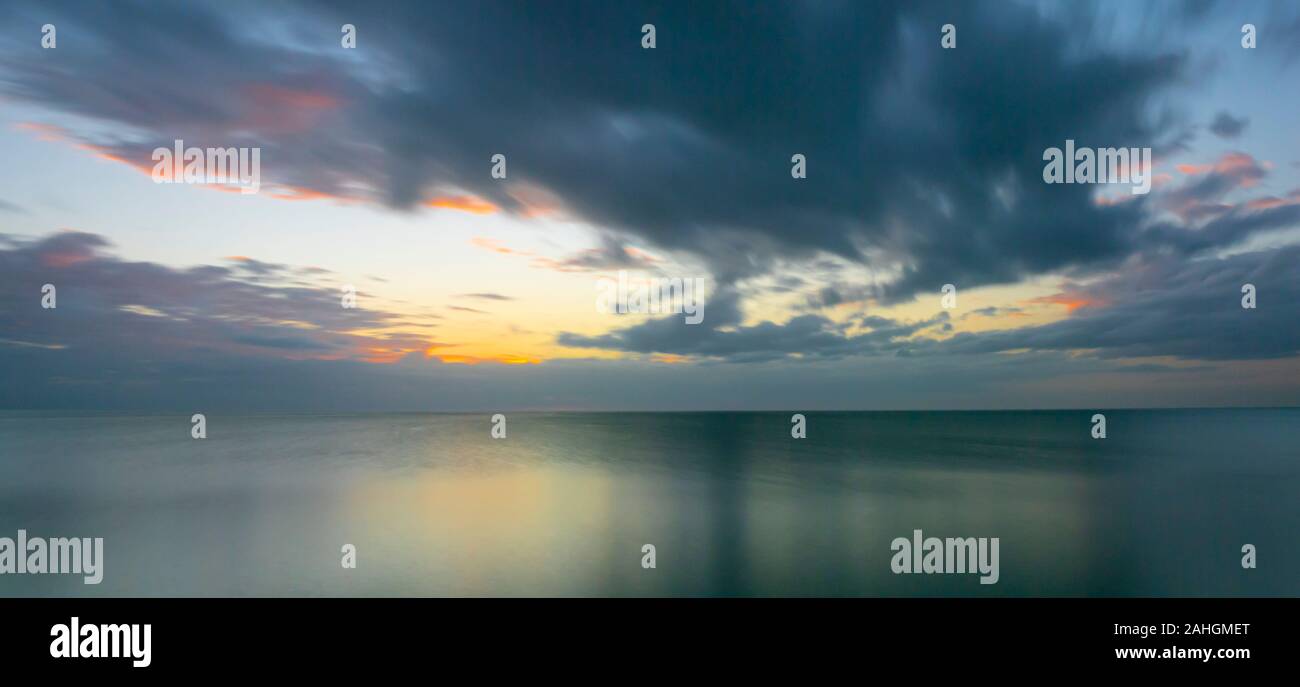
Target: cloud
pixel 994 311
pixel 922 168
pixel 135 335
pixel 1170 307
pixel 1202 196
pixel 1161 306
pixel 721 336
pixel 611 254
pixel 470 204
pixel 138 312
pixel 485 296
pixel 1227 126
pixel 917 164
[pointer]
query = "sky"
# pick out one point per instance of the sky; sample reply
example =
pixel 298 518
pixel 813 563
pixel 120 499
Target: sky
pixel 924 168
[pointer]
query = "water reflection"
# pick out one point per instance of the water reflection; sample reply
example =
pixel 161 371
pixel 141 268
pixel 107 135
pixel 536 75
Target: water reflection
pixel 733 505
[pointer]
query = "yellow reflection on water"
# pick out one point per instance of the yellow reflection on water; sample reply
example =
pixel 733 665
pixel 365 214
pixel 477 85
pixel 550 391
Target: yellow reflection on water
pixel 503 531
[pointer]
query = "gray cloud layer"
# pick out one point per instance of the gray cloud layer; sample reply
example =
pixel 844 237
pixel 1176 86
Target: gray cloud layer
pixel 917 155
pixel 922 163
pixel 140 336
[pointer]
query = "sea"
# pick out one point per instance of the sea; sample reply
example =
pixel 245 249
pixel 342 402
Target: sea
pixel 1179 502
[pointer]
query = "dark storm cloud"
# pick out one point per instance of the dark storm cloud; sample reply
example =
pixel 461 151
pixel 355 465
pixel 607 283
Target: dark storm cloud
pixel 1227 126
pixel 915 153
pixel 212 75
pixel 838 294
pixel 928 161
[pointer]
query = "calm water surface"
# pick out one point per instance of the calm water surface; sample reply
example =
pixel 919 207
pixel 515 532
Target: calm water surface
pixel 734 506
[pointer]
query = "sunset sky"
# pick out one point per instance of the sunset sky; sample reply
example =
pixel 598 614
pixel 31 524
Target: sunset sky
pixel 924 168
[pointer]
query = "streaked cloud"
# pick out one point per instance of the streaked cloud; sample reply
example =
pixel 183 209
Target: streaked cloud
pixel 923 171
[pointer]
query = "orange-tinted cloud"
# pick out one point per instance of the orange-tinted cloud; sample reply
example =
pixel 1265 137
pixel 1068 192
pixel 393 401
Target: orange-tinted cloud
pixel 44 132
pixel 1231 164
pixel 465 203
pixel 270 95
pixel 65 259
pixel 383 355
pixel 1071 300
pixel 104 153
pixel 1270 202
pixel 280 109
pixel 56 134
pixel 295 193
pixel 495 246
pixel 503 359
pixel 535 201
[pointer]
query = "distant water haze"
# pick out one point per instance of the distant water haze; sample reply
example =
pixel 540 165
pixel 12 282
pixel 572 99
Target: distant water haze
pixel 732 504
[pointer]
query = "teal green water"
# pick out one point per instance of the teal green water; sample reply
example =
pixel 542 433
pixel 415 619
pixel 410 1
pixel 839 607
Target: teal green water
pixel 733 505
